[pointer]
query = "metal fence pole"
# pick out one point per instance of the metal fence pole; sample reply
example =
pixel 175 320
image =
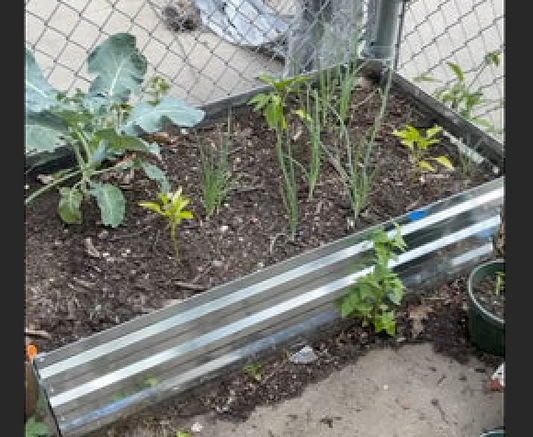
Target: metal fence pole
pixel 382 34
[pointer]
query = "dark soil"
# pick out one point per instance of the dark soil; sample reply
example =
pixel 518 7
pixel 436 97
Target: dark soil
pixel 490 294
pixel 81 279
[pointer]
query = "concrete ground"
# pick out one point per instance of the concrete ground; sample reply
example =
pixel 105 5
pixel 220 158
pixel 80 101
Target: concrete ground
pixel 412 392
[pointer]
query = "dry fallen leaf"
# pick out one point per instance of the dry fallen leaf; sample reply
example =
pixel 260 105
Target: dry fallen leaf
pixel 90 249
pixel 417 314
pixel 45 179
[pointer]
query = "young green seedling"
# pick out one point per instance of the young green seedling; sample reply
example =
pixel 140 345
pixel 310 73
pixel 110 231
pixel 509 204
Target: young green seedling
pixel 461 96
pixel 272 104
pixel 418 144
pixel 171 207
pixel 500 282
pixel 254 370
pixel 216 177
pixel 373 295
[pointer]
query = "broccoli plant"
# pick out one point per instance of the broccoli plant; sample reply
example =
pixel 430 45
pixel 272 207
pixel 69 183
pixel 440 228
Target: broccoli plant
pixel 102 129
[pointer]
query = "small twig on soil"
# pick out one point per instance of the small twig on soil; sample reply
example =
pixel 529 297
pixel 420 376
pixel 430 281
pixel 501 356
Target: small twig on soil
pixel 84 283
pixel 247 189
pixel 156 239
pixel 133 234
pixel 265 379
pixel 236 149
pixel 273 241
pixel 435 402
pixel 37 333
pixel 190 286
pixel 202 273
pixel 412 205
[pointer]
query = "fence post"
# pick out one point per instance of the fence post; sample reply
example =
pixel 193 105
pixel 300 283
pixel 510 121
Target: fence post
pixel 382 32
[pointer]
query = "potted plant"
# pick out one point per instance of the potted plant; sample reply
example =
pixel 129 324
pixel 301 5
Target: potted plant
pixel 486 300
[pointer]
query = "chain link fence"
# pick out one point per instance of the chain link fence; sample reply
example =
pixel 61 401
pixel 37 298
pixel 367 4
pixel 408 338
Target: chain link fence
pixel 444 39
pixel 212 49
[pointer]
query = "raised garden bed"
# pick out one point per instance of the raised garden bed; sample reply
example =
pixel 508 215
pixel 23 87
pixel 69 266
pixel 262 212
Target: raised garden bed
pixel 436 316
pixel 83 279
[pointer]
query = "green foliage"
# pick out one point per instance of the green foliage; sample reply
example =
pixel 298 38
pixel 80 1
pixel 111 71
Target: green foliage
pixel 418 144
pixel 171 207
pixel 462 96
pixel 151 382
pixel 254 370
pixel 353 161
pixel 459 96
pixel 101 128
pixel 373 296
pixel 156 88
pixel 216 178
pixel 35 428
pixel 500 282
pixel 272 104
pixel 312 119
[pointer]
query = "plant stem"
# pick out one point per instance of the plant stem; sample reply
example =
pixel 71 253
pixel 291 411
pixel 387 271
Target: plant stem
pixel 316 143
pixel 289 189
pixel 49 186
pixel 174 241
pixel 53 184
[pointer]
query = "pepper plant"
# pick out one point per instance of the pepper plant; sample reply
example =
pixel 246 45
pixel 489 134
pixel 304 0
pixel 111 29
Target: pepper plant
pixel 273 104
pixel 418 144
pixel 462 96
pixel 103 128
pixel 172 207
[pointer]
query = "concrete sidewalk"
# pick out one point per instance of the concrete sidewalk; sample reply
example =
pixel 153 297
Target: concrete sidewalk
pixel 411 392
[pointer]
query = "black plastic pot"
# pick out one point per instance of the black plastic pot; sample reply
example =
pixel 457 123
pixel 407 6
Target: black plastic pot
pixel 487 331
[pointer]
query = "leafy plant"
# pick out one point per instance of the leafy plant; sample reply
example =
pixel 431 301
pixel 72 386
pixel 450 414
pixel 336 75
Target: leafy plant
pixel 254 370
pixel 102 130
pixel 272 104
pixel 171 207
pixel 36 428
pixel 418 144
pixel 374 295
pixel 462 96
pixel 351 168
